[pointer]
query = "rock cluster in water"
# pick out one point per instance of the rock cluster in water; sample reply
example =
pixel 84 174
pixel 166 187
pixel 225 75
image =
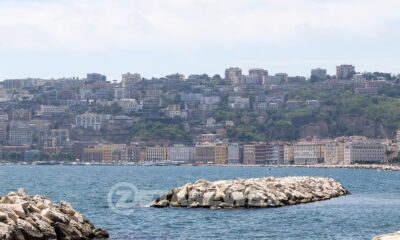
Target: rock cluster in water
pixel 251 193
pixel 390 236
pixel 24 217
pixel 379 167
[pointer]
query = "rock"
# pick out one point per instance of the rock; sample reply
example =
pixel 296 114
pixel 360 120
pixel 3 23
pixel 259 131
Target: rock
pixel 251 193
pixel 100 233
pixel 3 217
pixel 54 216
pixel 390 236
pixel 24 217
pixel 28 230
pixel 67 232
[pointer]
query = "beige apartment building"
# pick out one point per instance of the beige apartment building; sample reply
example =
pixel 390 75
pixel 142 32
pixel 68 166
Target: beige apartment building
pixel 157 153
pixel 249 154
pixel 334 153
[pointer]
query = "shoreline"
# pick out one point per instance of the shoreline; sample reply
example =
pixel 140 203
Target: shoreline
pixel 379 167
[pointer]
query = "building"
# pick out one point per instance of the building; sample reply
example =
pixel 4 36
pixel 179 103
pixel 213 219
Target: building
pixel 221 153
pixel 181 153
pixel 21 114
pixel 19 133
pixel 365 152
pixel 249 154
pixel 90 120
pixel 95 77
pixel 345 72
pixel 235 153
pixel 157 153
pixel 49 110
pixel 282 77
pixel 334 153
pixel 318 74
pixel 307 153
pixel 234 76
pixel 398 138
pixel 359 78
pixel 92 154
pixel 129 79
pixel 259 74
pixel 288 154
pixel 275 153
pixel 205 153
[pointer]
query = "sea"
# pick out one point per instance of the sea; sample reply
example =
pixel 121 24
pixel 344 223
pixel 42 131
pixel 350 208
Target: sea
pixel 118 198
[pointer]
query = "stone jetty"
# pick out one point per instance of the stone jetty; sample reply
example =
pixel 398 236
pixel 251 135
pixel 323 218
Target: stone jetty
pixel 24 217
pixel 251 193
pixel 390 236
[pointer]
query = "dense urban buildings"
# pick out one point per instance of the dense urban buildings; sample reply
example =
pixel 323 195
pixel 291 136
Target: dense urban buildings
pixel 257 119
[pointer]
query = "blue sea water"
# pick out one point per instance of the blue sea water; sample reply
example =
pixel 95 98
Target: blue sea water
pixel 372 208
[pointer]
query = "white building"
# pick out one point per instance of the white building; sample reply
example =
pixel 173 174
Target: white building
pixel 181 153
pixel 49 110
pixel 364 152
pixel 90 120
pixel 306 153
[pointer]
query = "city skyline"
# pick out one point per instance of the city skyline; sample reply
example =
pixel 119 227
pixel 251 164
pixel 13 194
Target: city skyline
pixel 156 38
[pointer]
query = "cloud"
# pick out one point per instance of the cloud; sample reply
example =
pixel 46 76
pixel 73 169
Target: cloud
pixel 103 25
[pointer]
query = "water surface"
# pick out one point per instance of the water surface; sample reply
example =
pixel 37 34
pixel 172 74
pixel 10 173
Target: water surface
pixel 371 209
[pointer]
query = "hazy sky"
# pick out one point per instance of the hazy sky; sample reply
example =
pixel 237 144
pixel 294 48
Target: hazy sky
pixel 43 38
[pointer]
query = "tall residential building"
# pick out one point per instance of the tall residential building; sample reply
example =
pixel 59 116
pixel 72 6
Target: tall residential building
pixel 345 72
pixel 19 133
pixel 275 153
pixel 234 153
pixel 288 154
pixel 221 153
pixel 3 131
pixel 319 73
pixel 364 152
pixel 181 153
pixel 205 153
pixel 398 138
pixel 260 153
pixel 128 79
pixel 249 154
pixel 234 76
pixel 260 74
pixel 334 152
pixel 95 77
pixel 306 153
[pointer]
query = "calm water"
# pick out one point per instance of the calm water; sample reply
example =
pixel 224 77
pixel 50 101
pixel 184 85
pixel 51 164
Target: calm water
pixel 373 207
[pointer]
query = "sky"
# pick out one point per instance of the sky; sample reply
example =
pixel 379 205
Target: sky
pixel 69 38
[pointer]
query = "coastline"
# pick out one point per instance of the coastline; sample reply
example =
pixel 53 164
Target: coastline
pixel 379 167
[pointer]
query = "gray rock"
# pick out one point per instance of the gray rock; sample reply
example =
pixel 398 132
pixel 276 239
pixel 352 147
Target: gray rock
pixel 257 193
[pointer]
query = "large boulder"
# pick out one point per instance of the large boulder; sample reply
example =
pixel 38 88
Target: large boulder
pixel 251 193
pixel 24 217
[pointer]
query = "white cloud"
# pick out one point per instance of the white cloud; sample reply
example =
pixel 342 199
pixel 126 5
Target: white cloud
pixel 121 24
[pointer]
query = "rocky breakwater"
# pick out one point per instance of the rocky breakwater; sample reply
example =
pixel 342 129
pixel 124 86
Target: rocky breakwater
pixel 24 217
pixel 390 236
pixel 251 193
